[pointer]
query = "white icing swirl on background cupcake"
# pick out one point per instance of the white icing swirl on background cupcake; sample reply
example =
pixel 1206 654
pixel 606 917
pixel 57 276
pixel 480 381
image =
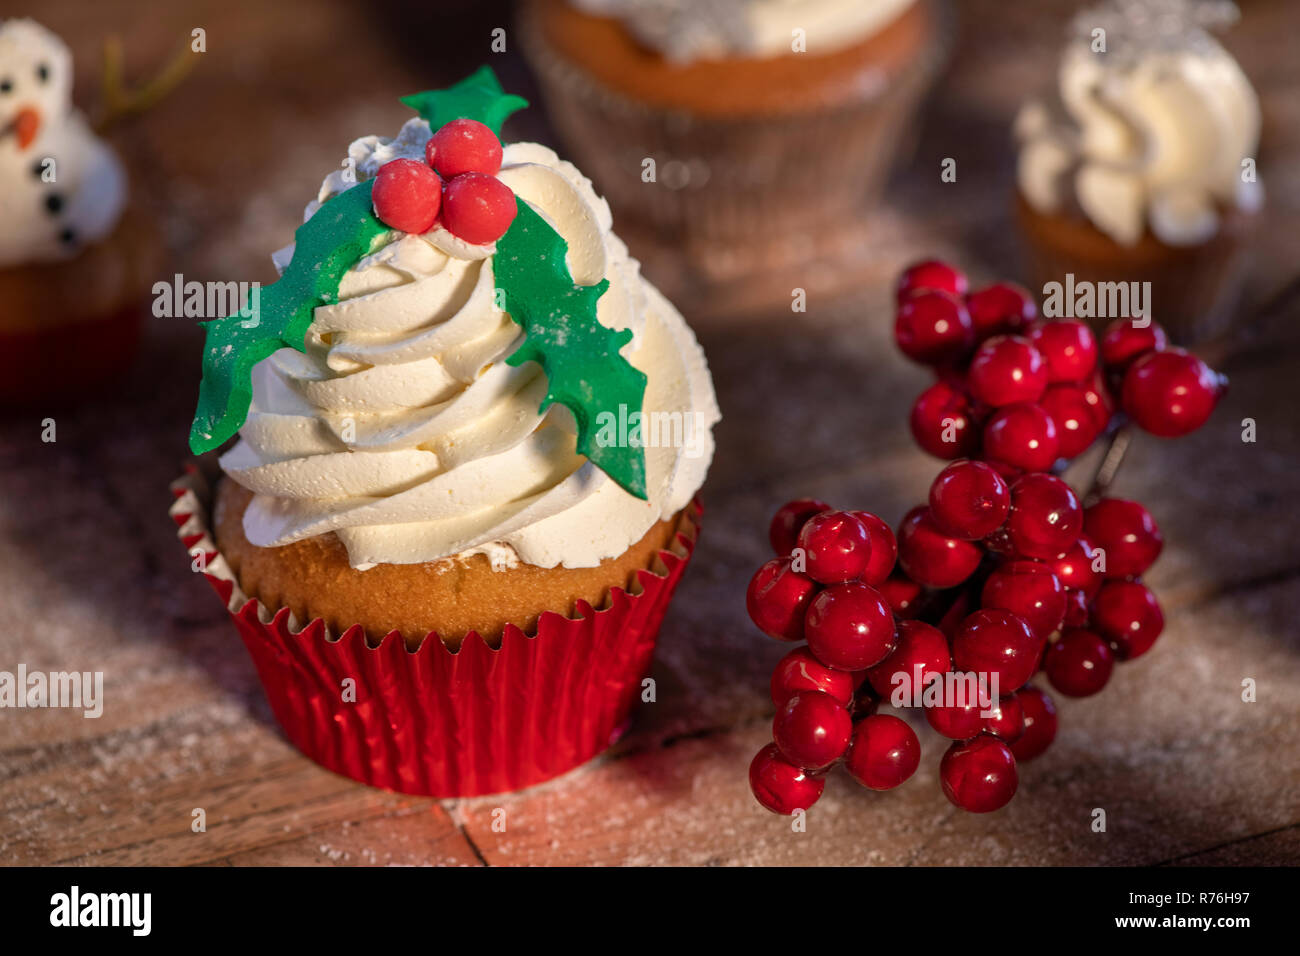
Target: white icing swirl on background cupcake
pixel 403 430
pixel 1151 133
pixel 687 30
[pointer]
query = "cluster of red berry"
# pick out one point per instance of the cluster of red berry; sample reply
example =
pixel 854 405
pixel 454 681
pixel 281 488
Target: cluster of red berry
pixel 1002 574
pixel 457 181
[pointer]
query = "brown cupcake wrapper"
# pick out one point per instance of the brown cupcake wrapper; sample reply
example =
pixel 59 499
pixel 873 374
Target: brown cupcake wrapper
pixel 446 723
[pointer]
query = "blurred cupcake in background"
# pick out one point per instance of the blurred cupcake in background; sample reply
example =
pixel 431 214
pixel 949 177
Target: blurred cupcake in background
pixel 75 263
pixel 771 125
pixel 1141 167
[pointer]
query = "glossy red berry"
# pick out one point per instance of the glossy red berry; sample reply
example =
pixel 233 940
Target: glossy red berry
pixel 919 645
pixel 884 548
pixel 1128 615
pixel 812 730
pixel 957 720
pixel 836 547
pixel 884 753
pixel 931 557
pixel 1079 663
pixel 783 532
pixel 1008 720
pixel 1001 308
pixel 1068 347
pixel 933 328
pixel 993 641
pixel 943 422
pixel 1005 370
pixel 903 595
pixel 969 500
pixel 1078 608
pixel 407 195
pixel 1040 723
pixel 464 146
pixel 778 599
pixel 1124 342
pixel 1074 567
pixel 1029 590
pixel 1170 393
pixel 930 274
pixel 799 672
pixel 779 785
pixel 1075 415
pixel 478 208
pixel 979 775
pixel 850 627
pixel 1127 534
pixel 1045 518
pixel 1021 436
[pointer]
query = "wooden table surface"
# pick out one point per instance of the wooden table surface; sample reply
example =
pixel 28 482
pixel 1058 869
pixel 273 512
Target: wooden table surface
pixel 93 578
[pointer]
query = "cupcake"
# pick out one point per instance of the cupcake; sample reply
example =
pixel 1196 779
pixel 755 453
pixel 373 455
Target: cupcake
pixel 75 266
pixel 1141 168
pixel 470 442
pixel 708 123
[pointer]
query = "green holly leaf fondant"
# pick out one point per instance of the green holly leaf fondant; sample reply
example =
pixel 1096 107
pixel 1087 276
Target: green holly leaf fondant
pixel 584 370
pixel 477 97
pixel 327 245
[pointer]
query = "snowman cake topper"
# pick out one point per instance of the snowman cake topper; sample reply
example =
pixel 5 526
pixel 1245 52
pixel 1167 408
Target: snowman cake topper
pixel 585 369
pixel 61 187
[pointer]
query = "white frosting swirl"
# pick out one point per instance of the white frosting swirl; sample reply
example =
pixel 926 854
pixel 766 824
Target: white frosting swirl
pixel 688 30
pixel 1151 133
pixel 63 187
pixel 403 430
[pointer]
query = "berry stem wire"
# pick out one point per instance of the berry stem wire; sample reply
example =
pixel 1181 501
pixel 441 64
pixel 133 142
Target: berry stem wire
pixel 1109 466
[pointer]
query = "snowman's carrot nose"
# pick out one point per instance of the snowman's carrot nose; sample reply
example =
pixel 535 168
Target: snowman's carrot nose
pixel 26 125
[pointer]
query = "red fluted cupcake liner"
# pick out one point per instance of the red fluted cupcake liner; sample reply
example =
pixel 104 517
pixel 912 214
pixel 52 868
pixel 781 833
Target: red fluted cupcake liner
pixel 446 723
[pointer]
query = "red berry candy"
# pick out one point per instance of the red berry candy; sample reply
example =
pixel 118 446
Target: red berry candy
pixel 930 274
pixel 1128 615
pixel 1045 518
pixel 1074 413
pixel 903 595
pixel 932 558
pixel 812 730
pixel 1078 609
pixel 1124 342
pixel 1170 393
pixel 969 500
pixel 943 422
pixel 1029 590
pixel 1021 436
pixel 464 146
pixel 1074 567
pixel 933 328
pixel 778 599
pixel 1000 309
pixel 1126 532
pixel 919 645
pixel 789 519
pixel 836 547
pixel 407 195
pixel 884 753
pixel 1040 723
pixel 957 721
pixel 1079 663
pixel 799 672
pixel 884 548
pixel 779 785
pixel 1008 722
pixel 478 208
pixel 1005 370
pixel 993 641
pixel 1068 347
pixel 850 627
pixel 979 775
